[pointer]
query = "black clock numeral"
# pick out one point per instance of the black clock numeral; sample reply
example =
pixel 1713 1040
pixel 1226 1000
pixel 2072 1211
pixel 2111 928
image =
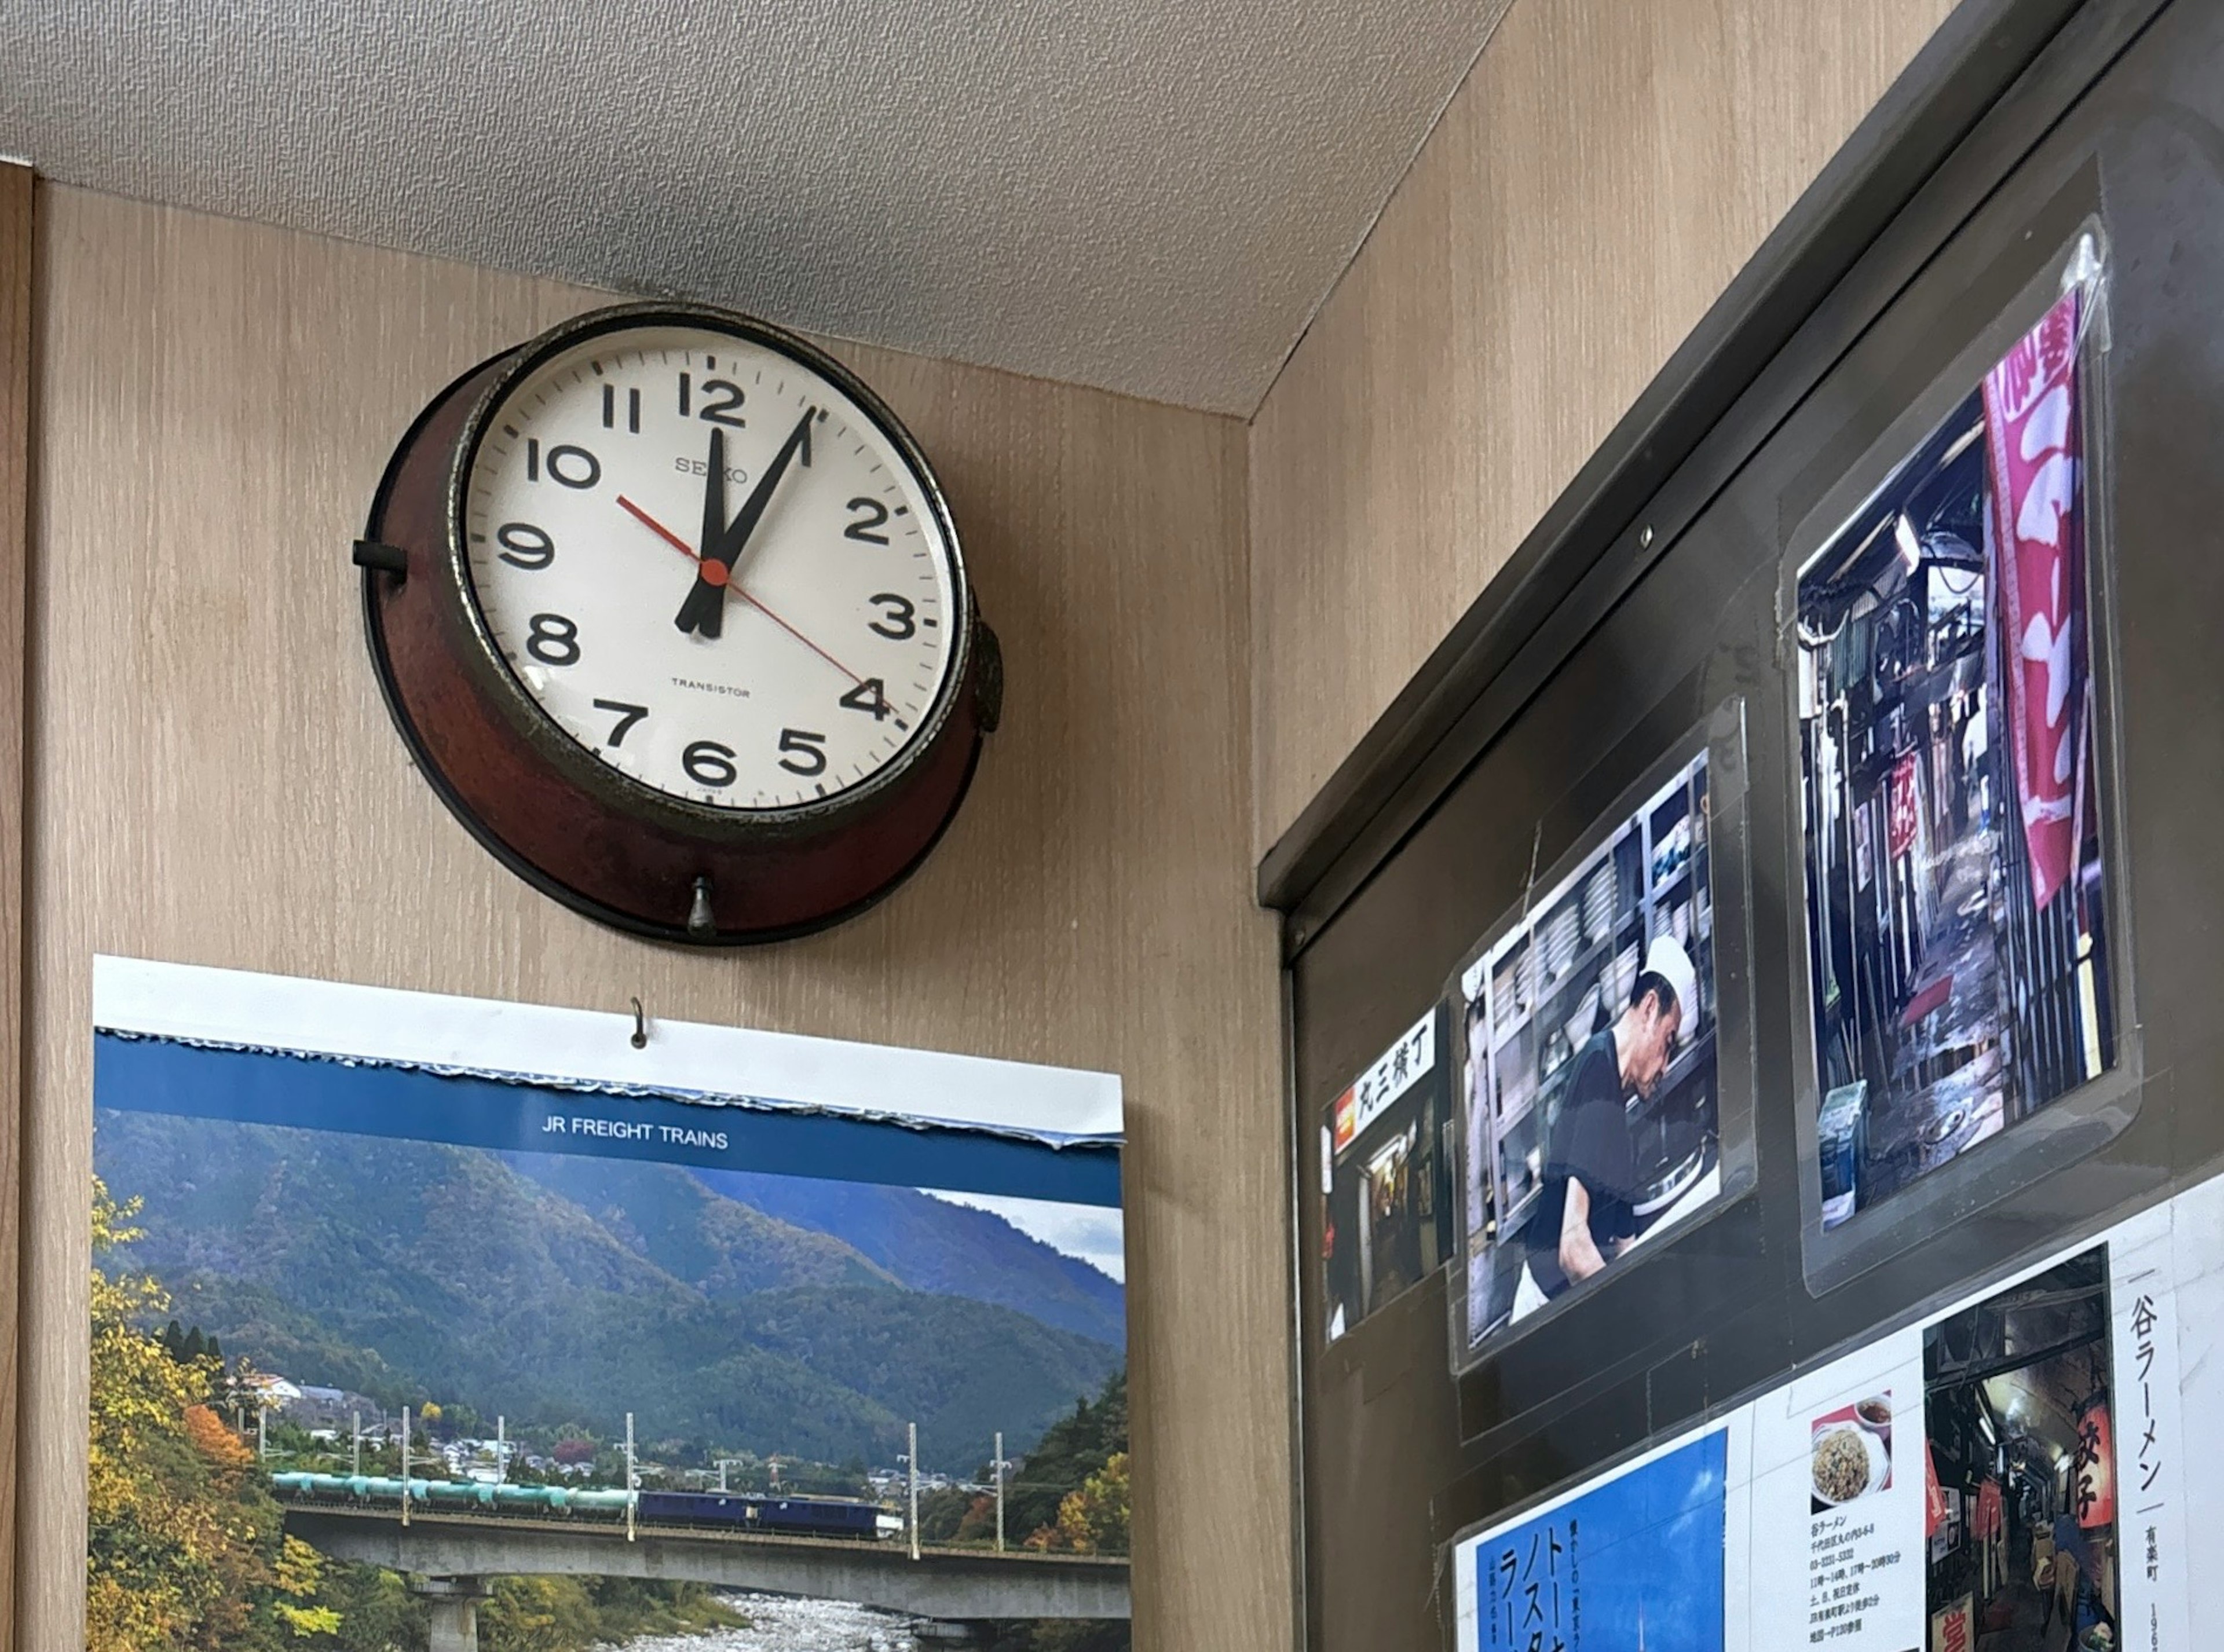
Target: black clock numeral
pixel 807 752
pixel 870 695
pixel 611 409
pixel 897 624
pixel 524 546
pixel 710 764
pixel 870 514
pixel 720 397
pixel 554 640
pixel 628 715
pixel 574 467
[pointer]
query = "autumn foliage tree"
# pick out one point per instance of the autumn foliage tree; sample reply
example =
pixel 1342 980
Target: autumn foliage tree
pixel 186 1550
pixel 1093 1519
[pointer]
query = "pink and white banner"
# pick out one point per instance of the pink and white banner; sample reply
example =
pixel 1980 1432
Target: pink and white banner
pixel 2030 432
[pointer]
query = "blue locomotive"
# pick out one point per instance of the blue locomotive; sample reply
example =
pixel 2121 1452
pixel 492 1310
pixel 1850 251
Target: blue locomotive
pixel 786 1516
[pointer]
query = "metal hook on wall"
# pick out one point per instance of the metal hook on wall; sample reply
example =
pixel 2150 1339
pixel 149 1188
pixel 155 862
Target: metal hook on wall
pixel 640 1039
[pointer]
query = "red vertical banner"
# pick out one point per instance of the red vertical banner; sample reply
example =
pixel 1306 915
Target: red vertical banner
pixel 1990 1509
pixel 2035 525
pixel 2095 1488
pixel 1906 805
pixel 1934 1500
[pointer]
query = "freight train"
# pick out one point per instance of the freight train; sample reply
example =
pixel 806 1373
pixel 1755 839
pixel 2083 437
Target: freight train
pixel 720 1510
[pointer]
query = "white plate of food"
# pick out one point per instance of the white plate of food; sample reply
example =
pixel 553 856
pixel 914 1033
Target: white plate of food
pixel 1848 1461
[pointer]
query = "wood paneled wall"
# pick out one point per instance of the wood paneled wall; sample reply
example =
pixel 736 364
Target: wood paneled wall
pixel 15 265
pixel 1607 167
pixel 215 781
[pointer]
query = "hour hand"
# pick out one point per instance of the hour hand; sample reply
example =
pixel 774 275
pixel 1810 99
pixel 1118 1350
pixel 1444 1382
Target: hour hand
pixel 704 610
pixel 706 604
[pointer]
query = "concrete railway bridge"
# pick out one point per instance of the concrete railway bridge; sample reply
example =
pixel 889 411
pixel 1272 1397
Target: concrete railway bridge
pixel 454 1553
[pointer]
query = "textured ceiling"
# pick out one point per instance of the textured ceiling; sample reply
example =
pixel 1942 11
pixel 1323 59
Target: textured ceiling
pixel 1148 195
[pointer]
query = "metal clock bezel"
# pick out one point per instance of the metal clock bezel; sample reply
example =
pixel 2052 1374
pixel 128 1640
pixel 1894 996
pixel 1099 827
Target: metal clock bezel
pixel 483 658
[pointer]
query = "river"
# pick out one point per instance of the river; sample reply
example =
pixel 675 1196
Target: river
pixel 779 1625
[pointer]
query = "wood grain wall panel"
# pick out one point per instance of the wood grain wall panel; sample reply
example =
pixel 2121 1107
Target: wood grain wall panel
pixel 218 782
pixel 1607 168
pixel 16 268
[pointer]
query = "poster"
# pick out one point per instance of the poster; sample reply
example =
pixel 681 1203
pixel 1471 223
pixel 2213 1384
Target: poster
pixel 2010 1474
pixel 1588 1082
pixel 1838 1461
pixel 389 1284
pixel 1638 1561
pixel 1962 979
pixel 1387 1217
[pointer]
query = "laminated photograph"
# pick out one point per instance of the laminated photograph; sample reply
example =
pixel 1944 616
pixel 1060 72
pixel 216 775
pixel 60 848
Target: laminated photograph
pixel 430 1322
pixel 1386 1225
pixel 1961 930
pixel 1589 1098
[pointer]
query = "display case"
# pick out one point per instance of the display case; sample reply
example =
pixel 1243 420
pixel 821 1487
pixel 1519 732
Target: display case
pixel 1791 522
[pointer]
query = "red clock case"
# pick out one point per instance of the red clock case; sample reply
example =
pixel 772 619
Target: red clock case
pixel 602 843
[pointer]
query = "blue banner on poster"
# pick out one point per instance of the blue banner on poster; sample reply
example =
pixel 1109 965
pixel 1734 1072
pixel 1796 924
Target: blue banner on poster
pixel 147 1074
pixel 1634 1565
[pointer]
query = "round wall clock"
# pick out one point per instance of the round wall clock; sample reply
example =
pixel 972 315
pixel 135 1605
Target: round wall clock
pixel 671 613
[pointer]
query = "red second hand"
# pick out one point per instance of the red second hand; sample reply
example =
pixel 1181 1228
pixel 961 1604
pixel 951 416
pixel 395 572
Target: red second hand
pixel 687 550
pixel 659 529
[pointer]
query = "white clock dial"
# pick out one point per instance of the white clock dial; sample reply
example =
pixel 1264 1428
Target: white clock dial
pixel 764 641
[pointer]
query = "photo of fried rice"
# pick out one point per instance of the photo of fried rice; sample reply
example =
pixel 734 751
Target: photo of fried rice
pixel 1842 1464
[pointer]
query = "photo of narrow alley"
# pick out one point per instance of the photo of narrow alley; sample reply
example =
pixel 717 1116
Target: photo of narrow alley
pixel 2021 1519
pixel 1958 913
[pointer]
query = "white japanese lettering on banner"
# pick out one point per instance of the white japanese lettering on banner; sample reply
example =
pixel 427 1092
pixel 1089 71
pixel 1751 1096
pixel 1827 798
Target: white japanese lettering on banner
pixel 2034 520
pixel 1395 1071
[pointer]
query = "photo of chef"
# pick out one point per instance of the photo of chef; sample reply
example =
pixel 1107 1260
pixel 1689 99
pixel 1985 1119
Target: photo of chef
pixel 1387 1211
pixel 1957 918
pixel 1587 1061
pixel 2020 1520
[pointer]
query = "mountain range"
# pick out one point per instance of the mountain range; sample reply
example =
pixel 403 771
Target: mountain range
pixel 560 1290
pixel 931 1245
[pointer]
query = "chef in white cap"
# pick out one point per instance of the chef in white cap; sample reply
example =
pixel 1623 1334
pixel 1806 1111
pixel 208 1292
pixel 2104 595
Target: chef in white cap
pixel 1584 1217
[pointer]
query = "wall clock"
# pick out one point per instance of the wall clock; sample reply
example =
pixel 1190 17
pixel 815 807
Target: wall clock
pixel 670 611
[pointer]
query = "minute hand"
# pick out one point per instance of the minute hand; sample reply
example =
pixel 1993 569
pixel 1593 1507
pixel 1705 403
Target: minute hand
pixel 705 608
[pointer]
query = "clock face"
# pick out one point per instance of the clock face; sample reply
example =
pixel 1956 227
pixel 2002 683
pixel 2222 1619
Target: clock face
pixel 711 566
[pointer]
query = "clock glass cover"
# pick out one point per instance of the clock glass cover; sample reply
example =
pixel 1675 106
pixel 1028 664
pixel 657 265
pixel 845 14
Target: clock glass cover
pixel 711 566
